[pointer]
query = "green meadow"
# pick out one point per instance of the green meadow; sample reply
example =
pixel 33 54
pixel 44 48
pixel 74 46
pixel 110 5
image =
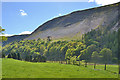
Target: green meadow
pixel 21 69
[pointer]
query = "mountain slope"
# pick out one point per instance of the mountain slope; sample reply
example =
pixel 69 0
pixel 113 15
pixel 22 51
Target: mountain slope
pixel 14 38
pixel 78 22
pixel 73 25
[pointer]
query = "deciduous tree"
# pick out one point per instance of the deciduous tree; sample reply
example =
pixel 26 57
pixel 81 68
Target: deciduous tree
pixel 95 57
pixel 106 55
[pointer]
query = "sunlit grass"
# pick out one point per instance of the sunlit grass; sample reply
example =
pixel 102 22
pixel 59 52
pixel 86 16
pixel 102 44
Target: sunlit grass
pixel 22 69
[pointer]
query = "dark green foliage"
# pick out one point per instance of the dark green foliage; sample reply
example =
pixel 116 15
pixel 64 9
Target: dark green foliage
pixel 115 60
pixel 9 56
pixel 69 51
pixel 106 55
pixel 119 47
pixel 27 58
pixel 19 56
pixel 3 55
pixel 35 59
pixel 95 57
pixel 14 56
pixel 39 39
pixel 43 59
pixel 39 58
pixel 102 37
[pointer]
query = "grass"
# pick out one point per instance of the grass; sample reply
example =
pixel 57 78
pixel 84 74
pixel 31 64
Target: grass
pixel 0 68
pixel 21 69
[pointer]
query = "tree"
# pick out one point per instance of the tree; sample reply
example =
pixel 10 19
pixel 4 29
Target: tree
pixel 30 58
pixel 18 56
pixel 63 51
pixel 3 38
pixel 73 59
pixel 9 56
pixel 68 56
pixel 88 52
pixel 95 57
pixel 35 59
pixel 69 53
pixel 119 48
pixel 39 58
pixel 106 56
pixel 79 57
pixel 38 39
pixel 14 56
pixel 27 58
pixel 3 55
pixel 1 32
pixel 42 48
pixel 43 59
pixel 85 56
pixel 49 38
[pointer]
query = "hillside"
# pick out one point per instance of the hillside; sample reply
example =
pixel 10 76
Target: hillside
pixel 98 39
pixel 61 50
pixel 14 38
pixel 73 25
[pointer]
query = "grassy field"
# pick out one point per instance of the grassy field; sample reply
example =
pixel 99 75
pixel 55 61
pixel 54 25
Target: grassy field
pixel 20 69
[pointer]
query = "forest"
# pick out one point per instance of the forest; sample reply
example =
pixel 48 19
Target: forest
pixel 96 46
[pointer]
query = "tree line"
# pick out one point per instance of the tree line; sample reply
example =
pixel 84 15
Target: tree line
pixel 98 46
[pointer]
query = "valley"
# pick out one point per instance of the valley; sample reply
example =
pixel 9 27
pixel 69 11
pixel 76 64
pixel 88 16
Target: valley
pixel 82 44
